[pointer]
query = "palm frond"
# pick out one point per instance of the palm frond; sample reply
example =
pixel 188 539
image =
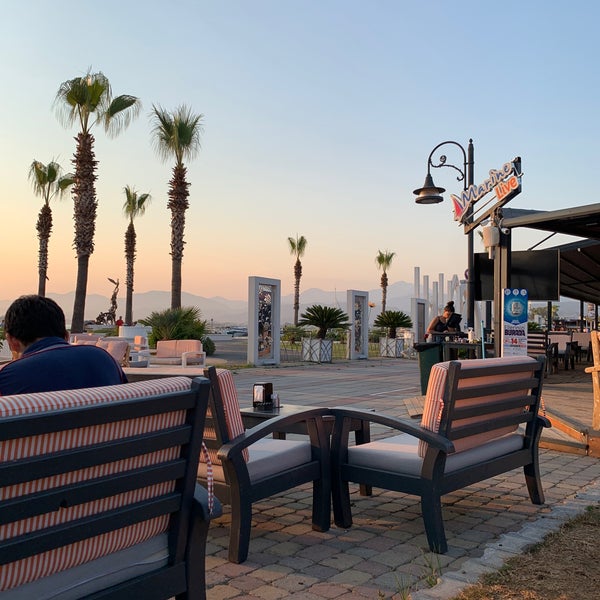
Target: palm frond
pixel 177 133
pixel 120 113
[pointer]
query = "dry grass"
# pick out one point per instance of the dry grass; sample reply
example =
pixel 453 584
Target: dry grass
pixel 565 566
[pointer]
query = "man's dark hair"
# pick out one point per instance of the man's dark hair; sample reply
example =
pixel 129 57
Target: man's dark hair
pixel 29 318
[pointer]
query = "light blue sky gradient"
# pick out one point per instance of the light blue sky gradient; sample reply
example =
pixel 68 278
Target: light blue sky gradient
pixel 319 117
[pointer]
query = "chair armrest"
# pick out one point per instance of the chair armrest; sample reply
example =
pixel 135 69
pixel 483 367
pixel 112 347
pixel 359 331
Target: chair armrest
pixel 250 436
pixel 543 421
pixel 186 355
pixel 346 414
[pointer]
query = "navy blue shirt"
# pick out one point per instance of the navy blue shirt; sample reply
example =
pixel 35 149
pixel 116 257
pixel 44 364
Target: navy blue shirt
pixel 53 364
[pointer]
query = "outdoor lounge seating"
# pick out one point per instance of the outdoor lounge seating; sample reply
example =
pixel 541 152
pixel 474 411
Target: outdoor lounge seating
pixel 468 433
pixel 561 349
pixel 99 496
pixel 582 343
pixel 117 348
pixel 179 352
pixel 248 466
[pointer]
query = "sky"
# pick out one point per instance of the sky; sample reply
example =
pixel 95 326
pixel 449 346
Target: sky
pixel 319 117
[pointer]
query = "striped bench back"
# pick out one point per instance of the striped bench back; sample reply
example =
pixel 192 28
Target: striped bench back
pixel 85 473
pixel 475 401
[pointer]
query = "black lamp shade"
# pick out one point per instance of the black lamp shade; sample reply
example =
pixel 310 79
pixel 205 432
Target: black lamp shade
pixel 429 193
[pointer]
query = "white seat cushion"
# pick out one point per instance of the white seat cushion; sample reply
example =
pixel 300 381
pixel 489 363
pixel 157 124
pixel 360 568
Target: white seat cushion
pixel 267 457
pixel 91 577
pixel 400 454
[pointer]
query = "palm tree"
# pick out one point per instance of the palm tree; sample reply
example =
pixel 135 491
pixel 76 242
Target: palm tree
pixel 133 206
pixel 297 248
pixel 47 183
pixel 87 101
pixel 384 261
pixel 177 134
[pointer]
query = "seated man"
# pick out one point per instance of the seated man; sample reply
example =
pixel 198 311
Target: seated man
pixel 35 331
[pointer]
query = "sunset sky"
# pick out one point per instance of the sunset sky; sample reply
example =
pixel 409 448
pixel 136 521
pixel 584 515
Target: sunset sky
pixel 319 117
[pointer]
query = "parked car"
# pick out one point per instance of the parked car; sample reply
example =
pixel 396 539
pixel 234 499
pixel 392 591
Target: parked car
pixel 239 331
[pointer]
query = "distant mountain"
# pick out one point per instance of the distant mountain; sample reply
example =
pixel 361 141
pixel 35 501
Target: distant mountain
pixel 222 311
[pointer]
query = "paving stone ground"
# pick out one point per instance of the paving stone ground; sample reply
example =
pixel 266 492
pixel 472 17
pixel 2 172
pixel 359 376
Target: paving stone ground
pixel 385 552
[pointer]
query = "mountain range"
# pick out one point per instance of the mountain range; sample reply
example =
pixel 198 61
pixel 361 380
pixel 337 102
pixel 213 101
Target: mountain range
pixel 220 311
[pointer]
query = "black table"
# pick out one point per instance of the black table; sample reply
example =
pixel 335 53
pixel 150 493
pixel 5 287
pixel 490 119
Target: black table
pixel 251 417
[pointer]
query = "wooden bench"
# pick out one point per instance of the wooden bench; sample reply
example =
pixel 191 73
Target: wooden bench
pixel 98 495
pixel 480 419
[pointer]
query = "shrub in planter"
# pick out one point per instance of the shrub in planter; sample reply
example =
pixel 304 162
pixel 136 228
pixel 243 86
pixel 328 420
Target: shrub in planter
pixel 323 318
pixel 392 320
pixel 175 324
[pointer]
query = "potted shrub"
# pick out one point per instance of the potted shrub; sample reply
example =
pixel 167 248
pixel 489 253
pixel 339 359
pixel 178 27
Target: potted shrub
pixel 319 349
pixel 183 323
pixel 392 320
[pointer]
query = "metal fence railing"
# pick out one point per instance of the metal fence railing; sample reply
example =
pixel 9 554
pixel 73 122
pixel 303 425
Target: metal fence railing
pixel 292 351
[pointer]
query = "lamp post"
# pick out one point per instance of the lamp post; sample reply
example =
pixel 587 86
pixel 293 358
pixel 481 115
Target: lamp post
pixel 431 194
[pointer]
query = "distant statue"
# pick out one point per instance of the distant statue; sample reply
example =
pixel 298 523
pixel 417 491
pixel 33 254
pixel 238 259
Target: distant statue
pixel 112 311
pixel 102 318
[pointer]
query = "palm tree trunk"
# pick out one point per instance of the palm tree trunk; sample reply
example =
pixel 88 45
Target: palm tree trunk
pixel 384 286
pixel 297 276
pixel 80 293
pixel 178 204
pixel 84 215
pixel 130 238
pixel 44 228
pixel 175 283
pixel 42 266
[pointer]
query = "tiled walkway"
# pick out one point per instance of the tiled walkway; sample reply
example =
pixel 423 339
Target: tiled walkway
pixel 385 552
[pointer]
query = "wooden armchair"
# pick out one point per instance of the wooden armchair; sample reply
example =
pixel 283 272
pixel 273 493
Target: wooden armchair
pixel 248 466
pixel 468 434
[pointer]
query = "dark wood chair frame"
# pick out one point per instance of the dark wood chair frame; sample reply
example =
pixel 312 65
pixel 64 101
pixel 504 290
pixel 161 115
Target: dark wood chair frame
pixel 240 492
pixel 433 482
pixel 184 575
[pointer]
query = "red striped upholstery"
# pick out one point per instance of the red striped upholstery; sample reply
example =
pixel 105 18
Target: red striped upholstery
pixel 434 403
pixel 233 417
pixel 29 569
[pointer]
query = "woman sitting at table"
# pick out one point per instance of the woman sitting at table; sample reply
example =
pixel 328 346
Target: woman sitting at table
pixel 447 322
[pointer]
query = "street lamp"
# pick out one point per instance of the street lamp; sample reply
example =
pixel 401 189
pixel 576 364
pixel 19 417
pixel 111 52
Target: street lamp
pixel 431 194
